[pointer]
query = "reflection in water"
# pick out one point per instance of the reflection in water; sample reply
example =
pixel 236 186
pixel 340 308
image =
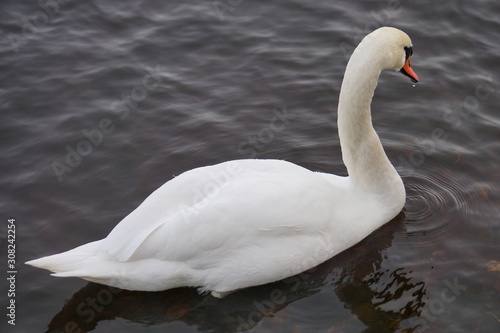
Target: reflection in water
pixel 379 298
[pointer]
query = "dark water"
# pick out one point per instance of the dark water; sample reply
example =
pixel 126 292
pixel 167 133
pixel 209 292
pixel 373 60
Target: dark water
pixel 143 90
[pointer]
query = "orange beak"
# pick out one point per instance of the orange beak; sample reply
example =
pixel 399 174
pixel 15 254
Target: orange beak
pixel 408 71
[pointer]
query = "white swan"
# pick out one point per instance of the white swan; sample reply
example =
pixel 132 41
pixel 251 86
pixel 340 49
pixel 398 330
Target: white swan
pixel 250 222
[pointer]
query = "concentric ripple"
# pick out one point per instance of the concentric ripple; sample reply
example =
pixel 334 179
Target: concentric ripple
pixel 438 202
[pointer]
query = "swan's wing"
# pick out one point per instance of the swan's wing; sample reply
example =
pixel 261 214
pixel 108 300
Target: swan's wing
pixel 258 220
pixel 159 208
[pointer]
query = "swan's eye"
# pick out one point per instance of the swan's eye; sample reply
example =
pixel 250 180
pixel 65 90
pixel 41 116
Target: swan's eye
pixel 408 51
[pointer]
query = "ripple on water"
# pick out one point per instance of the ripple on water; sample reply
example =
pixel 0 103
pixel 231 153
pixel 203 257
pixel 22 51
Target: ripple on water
pixel 437 203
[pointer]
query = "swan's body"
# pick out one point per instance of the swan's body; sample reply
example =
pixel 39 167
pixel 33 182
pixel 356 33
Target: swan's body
pixel 249 222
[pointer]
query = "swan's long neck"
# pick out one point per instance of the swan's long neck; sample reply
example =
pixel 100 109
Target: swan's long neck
pixel 367 164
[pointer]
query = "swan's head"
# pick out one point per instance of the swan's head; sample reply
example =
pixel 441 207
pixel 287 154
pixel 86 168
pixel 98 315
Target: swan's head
pixel 393 48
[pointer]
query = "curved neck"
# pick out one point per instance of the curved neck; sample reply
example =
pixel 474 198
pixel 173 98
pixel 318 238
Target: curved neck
pixel 362 152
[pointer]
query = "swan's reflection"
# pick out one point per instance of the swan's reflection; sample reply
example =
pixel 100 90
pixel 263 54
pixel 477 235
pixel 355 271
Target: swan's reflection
pixel 360 283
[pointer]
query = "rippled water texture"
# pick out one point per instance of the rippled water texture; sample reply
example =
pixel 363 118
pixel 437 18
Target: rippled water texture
pixel 104 101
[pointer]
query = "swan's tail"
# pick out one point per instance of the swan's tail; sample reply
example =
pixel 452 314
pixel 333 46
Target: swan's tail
pixel 85 262
pixel 88 263
pixel 68 263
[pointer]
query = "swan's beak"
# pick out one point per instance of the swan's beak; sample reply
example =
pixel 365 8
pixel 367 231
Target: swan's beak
pixel 408 71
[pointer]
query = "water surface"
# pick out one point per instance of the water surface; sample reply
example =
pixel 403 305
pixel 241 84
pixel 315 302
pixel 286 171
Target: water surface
pixel 173 85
